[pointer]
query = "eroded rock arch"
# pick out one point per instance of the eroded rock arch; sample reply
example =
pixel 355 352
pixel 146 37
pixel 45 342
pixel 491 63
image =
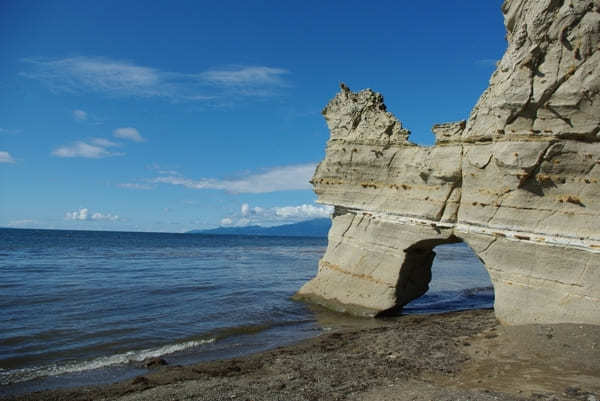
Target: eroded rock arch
pixel 519 181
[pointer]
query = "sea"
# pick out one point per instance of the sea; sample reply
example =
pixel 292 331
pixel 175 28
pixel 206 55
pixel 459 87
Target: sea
pixel 89 307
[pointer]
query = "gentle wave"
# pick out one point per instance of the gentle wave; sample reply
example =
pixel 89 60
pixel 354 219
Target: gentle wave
pixel 26 374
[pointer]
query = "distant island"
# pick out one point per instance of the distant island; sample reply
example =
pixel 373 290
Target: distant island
pixel 308 228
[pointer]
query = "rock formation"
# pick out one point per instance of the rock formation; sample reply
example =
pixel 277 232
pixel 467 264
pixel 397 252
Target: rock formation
pixel 519 182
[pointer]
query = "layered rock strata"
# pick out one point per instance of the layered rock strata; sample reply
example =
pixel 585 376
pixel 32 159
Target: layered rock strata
pixel 519 182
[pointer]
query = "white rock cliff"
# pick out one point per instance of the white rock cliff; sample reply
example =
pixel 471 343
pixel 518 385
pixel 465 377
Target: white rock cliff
pixel 519 182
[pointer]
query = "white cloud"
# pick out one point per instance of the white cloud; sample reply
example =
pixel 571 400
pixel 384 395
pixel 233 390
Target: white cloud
pixel 81 214
pixel 97 74
pixel 121 78
pixel 97 150
pixel 80 115
pixel 277 215
pixel 84 214
pixel 104 142
pixel 285 178
pixel 229 222
pixel 108 216
pixel 245 209
pixel 242 222
pixel 5 157
pixel 304 211
pixel 246 76
pixel 136 185
pixel 128 133
pixel 226 222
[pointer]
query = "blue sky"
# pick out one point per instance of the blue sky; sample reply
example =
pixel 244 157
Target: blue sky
pixel 171 116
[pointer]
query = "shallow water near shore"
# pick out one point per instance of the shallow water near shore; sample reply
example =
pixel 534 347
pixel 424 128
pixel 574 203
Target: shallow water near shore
pixel 80 307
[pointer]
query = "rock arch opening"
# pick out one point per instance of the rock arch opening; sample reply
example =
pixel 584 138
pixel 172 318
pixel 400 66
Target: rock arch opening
pixel 441 275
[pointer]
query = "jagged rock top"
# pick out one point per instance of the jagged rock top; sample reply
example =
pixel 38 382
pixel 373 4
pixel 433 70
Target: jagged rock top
pixel 545 85
pixel 362 117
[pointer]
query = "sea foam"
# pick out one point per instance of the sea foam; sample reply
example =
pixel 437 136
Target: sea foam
pixel 21 375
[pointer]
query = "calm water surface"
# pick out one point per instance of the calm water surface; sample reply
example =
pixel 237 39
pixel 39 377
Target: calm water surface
pixel 82 307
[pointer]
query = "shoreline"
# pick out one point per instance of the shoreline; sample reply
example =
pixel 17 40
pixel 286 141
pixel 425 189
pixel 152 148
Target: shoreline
pixel 218 344
pixel 454 355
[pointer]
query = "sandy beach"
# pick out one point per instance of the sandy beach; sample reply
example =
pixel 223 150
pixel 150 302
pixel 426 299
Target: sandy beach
pixel 453 356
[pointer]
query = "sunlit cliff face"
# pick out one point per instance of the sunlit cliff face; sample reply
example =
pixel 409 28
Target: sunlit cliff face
pixel 519 181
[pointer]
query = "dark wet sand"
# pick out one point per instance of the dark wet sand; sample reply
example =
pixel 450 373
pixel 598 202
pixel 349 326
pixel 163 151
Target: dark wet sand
pixel 453 356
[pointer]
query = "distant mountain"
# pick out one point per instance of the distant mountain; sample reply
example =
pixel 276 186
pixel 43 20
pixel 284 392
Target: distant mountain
pixel 308 228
